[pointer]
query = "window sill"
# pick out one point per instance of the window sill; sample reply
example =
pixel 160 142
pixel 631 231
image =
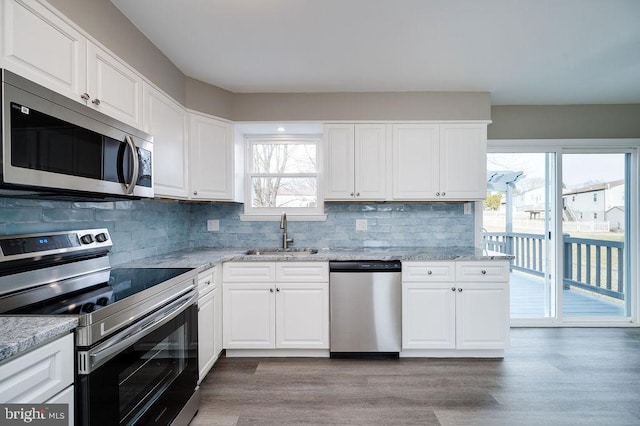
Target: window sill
pixel 291 217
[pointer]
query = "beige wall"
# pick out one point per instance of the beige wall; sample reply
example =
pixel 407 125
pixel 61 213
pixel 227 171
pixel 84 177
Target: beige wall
pixel 565 122
pixel 102 20
pixel 209 99
pixel 362 106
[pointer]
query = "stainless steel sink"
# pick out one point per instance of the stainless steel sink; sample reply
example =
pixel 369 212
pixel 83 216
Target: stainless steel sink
pixel 281 251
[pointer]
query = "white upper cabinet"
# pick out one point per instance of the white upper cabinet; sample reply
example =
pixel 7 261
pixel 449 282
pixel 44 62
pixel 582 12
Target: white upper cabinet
pixel 356 159
pixel 416 158
pixel 463 161
pixel 166 121
pixel 112 87
pixel 211 165
pixel 41 47
pixel 439 161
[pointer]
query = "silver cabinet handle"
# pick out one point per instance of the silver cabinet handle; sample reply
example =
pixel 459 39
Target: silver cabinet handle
pixel 460 290
pixel 277 289
pixel 96 102
pixel 483 272
pixel 85 96
pixel 351 194
pixel 453 289
pixel 134 174
pixel 357 194
pixel 207 282
pixel 443 194
pixel 429 272
pixel 270 290
pixel 195 192
pixel 437 194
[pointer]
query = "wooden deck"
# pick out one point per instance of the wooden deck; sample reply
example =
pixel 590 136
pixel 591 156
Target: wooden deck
pixel 527 300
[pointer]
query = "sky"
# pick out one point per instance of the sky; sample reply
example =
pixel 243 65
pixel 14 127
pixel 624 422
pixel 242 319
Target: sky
pixel 578 169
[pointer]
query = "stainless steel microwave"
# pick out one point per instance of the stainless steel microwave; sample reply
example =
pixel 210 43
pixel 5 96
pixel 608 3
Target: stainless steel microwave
pixel 54 145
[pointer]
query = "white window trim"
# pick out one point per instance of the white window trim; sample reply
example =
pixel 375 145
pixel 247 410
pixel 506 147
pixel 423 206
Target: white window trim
pixel 310 214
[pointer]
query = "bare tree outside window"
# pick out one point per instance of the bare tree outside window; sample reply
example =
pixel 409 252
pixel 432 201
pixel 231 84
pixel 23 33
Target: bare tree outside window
pixel 283 173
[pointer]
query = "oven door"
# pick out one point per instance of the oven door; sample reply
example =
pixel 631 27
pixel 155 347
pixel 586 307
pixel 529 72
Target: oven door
pixel 143 375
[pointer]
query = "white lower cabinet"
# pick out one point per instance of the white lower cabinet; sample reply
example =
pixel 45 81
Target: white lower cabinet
pixel 43 375
pixel 276 305
pixel 209 322
pixel 460 306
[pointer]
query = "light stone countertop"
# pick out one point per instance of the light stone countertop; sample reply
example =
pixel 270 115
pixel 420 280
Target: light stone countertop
pixel 21 333
pixel 204 258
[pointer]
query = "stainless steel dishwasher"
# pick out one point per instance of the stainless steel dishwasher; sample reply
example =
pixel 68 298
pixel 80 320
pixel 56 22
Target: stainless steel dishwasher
pixel 365 299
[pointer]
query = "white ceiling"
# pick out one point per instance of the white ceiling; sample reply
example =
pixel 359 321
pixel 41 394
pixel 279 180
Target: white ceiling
pixel 522 51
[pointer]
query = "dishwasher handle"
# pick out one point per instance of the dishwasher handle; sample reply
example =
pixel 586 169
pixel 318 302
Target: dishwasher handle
pixel 365 266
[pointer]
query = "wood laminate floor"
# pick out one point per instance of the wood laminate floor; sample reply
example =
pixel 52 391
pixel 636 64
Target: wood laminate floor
pixel 550 376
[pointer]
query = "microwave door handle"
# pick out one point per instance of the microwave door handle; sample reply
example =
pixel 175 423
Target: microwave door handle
pixel 129 187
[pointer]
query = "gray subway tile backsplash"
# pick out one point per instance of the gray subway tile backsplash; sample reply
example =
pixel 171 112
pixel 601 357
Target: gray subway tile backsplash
pixel 144 228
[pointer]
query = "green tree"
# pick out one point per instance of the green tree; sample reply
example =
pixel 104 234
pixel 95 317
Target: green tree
pixel 493 201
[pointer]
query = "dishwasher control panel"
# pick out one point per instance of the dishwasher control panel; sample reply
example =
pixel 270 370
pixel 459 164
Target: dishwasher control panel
pixel 365 265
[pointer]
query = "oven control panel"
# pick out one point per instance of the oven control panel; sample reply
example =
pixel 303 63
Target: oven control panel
pixel 14 247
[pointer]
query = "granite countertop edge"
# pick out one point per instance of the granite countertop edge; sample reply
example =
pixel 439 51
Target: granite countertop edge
pixel 204 258
pixel 23 333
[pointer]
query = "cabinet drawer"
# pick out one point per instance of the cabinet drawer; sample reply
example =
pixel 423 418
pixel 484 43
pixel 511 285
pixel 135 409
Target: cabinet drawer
pixel 495 271
pixel 302 272
pixel 38 375
pixel 246 272
pixel 206 281
pixel 66 397
pixel 428 271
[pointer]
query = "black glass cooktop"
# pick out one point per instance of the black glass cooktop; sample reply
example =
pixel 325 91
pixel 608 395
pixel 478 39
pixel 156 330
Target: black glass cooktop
pixel 123 282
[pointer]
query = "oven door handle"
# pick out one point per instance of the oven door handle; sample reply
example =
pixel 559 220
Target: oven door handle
pixel 90 360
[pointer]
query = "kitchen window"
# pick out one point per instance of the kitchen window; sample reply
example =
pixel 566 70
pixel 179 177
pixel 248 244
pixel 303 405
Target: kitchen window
pixel 283 175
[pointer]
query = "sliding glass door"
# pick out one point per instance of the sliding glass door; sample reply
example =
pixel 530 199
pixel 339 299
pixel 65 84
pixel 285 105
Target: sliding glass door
pixel 565 215
pixel 518 219
pixel 595 223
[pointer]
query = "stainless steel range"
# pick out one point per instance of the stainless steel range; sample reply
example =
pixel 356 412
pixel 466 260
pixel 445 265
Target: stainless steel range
pixel 136 343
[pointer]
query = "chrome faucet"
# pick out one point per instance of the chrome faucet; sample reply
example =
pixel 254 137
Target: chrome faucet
pixel 283 225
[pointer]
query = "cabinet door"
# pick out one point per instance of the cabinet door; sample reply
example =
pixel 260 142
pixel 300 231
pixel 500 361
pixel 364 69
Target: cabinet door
pixel 206 334
pixel 166 121
pixel 482 316
pixel 371 162
pixel 416 161
pixel 39 374
pixel 463 166
pixel 428 315
pixel 113 87
pixel 249 316
pixel 339 161
pixel 41 47
pixel 217 322
pixel 211 165
pixel 302 316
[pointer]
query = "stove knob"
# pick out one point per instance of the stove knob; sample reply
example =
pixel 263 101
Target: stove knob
pixel 86 239
pixel 102 237
pixel 102 301
pixel 88 307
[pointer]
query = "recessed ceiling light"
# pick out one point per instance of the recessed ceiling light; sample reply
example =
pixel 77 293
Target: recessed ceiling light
pixel 281 129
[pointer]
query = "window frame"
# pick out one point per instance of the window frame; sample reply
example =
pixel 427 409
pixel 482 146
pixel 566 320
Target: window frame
pixel 274 213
